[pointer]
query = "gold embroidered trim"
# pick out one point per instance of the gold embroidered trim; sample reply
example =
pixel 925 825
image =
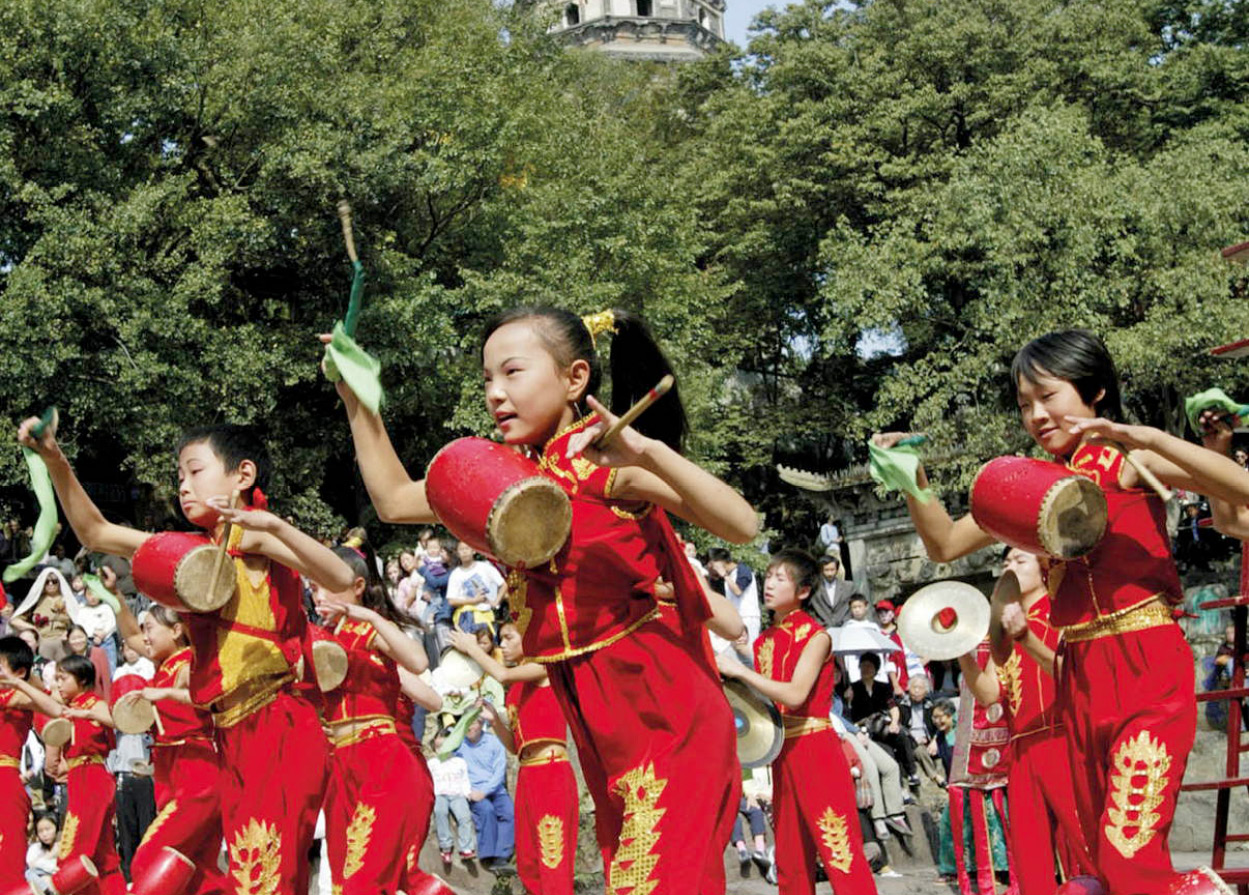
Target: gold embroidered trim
pixel 83 761
pixel 375 727
pixel 68 832
pixel 799 725
pixel 633 517
pixel 256 859
pixel 518 599
pixel 766 650
pixel 598 644
pixel 7 761
pixel 833 834
pixel 248 698
pixel 567 430
pixel 359 831
pixel 1151 614
pixel 159 821
pixel 636 856
pixel 551 840
pixel 554 754
pixel 1139 757
pixel 1011 676
pixel 599 323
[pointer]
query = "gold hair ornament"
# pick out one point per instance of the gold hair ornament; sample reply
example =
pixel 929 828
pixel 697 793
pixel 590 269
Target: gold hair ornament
pixel 597 324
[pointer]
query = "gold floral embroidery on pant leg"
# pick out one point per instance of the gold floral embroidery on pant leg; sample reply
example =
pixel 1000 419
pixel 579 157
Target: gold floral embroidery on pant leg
pixel 358 833
pixel 68 832
pixel 165 813
pixel 551 841
pixel 1136 804
pixel 636 858
pixel 256 859
pixel 410 861
pixel 836 840
pixel 1012 682
pixel 765 657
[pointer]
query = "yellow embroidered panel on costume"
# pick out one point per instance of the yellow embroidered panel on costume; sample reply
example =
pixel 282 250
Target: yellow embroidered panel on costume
pixel 165 813
pixel 1145 759
pixel 766 649
pixel 836 840
pixel 551 841
pixel 636 858
pixel 517 597
pixel 802 632
pixel 246 657
pixel 1011 677
pixel 359 832
pixel 256 859
pixel 68 832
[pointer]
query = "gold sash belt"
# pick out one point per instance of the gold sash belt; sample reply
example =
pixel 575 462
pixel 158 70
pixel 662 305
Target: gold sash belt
pixel 1137 618
pixel 799 726
pixel 367 730
pixel 552 754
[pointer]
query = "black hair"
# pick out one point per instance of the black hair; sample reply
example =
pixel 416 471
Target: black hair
pixel 363 564
pixel 800 564
pixel 233 444
pixel 826 559
pixel 17 654
pixel 944 705
pixel 637 364
pixel 1079 357
pixel 79 668
pixel 72 629
pixel 859 597
pixel 870 657
pixel 167 618
pixel 719 554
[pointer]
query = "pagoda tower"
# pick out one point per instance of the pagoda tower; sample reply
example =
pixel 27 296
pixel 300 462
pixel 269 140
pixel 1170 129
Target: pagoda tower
pixel 655 30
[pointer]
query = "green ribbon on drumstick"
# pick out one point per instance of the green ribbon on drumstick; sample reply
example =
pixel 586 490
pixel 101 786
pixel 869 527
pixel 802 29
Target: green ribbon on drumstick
pixel 41 484
pixel 897 468
pixel 1212 399
pixel 344 358
pixel 458 732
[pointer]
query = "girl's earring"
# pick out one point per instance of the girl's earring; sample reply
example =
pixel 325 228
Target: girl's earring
pixel 576 408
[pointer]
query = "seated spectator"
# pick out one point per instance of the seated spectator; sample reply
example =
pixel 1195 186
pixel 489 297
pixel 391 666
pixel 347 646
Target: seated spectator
pixel 915 708
pixel 45 610
pixel 861 616
pixel 882 774
pixel 873 706
pixel 943 721
pixel 474 590
pixel 751 810
pixel 41 855
pixel 451 791
pixel 100 623
pixel 493 812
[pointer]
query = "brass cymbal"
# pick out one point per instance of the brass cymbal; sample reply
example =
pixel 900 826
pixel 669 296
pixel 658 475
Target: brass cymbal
pixel 944 620
pixel 758 723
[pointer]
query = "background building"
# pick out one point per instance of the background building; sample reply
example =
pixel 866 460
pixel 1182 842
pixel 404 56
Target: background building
pixel 657 30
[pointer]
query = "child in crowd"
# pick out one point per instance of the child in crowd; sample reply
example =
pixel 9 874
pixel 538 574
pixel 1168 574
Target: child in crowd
pixel 271 749
pixel 41 861
pixel 451 791
pixel 99 622
pixel 815 812
pixel 474 589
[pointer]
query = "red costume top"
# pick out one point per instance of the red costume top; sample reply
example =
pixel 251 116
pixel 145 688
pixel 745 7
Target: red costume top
pixel 371 688
pixel 777 651
pixel 982 741
pixel 1028 692
pixel 247 650
pixel 15 723
pixel 92 741
pixel 178 722
pixel 534 715
pixel 405 714
pixel 601 585
pixel 1130 566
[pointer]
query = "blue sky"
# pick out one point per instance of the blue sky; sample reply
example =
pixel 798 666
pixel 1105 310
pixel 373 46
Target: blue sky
pixel 738 15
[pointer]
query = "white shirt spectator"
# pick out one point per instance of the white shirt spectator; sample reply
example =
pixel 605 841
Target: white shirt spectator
pixel 143 668
pixel 450 776
pixel 852 661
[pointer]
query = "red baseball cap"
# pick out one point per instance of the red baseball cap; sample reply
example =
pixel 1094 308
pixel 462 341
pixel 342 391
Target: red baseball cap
pixel 887 605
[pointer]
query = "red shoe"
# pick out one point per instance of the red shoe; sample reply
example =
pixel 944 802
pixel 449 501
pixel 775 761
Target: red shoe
pixel 446 857
pixel 468 855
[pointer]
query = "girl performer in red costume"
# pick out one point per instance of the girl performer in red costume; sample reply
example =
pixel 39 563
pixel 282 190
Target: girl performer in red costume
pixel 1125 675
pixel 813 801
pixel 88 828
pixel 380 795
pixel 1019 675
pixel 16 712
pixel 547 810
pixel 654 733
pixel 184 760
pixel 271 751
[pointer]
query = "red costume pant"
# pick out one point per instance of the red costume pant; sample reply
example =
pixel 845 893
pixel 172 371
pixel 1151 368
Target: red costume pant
pixel 88 828
pixel 960 796
pixel 188 793
pixel 1043 818
pixel 273 770
pixel 1130 711
pixel 815 816
pixel 658 750
pixel 547 818
pixel 377 810
pixel 14 809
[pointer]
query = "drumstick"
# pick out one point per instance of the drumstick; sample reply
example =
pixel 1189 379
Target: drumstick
pixel 1146 473
pixel 344 217
pixel 160 728
pixel 222 549
pixel 635 411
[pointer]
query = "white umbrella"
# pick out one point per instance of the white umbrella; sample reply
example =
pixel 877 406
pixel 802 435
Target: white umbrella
pixel 851 641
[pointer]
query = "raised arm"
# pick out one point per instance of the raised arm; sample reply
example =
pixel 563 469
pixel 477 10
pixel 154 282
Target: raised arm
pixel 526 671
pixel 791 693
pixel 273 537
pixel 393 642
pixel 89 525
pixel 35 697
pixel 652 472
pixel 499 725
pixel 397 498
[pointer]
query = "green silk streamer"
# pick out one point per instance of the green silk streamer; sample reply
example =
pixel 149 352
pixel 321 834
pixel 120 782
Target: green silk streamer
pixel 456 736
pixel 45 526
pixel 356 301
pixel 897 469
pixel 1212 399
pixel 345 360
pixel 96 586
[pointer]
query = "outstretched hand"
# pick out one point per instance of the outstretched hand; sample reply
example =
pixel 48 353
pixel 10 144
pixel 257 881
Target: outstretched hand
pixel 251 520
pixel 332 610
pixel 627 448
pixel 889 440
pixel 45 445
pixel 1101 429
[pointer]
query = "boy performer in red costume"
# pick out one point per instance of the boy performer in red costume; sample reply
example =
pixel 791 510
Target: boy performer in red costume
pixel 16 710
pixel 270 746
pixel 1019 676
pixel 657 748
pixel 547 808
pixel 1126 689
pixel 813 800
